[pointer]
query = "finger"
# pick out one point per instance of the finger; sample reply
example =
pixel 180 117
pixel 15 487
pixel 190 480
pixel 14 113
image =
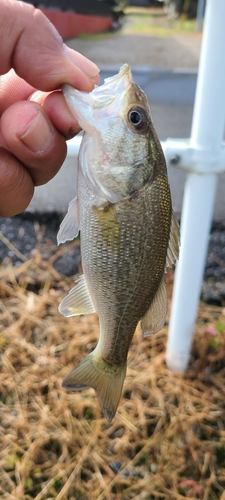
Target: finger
pixel 33 47
pixel 30 136
pixel 57 110
pixel 13 89
pixel 16 187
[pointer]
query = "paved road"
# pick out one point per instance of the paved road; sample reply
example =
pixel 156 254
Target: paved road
pixel 171 98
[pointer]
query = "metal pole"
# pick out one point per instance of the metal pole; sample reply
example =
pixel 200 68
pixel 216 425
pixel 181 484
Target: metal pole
pixel 206 143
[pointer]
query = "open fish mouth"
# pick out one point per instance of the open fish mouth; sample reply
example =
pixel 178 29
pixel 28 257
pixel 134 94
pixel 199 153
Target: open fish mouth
pixel 112 87
pixel 85 105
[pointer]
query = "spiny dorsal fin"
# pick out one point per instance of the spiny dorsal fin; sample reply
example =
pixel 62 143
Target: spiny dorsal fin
pixel 174 242
pixel 155 316
pixel 69 227
pixel 78 301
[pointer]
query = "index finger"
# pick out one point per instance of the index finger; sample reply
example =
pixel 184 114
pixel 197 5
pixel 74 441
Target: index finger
pixel 32 46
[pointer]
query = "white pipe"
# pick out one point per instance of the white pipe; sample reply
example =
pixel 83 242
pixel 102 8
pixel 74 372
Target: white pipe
pixel 209 108
pixel 195 227
pixel 206 136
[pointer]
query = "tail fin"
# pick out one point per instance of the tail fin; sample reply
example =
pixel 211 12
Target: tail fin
pixel 105 379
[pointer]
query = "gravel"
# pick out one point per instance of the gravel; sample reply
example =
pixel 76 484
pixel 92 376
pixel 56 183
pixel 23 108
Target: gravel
pixel 21 234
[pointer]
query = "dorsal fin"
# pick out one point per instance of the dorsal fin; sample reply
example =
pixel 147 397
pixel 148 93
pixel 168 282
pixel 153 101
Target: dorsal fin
pixel 174 242
pixel 155 317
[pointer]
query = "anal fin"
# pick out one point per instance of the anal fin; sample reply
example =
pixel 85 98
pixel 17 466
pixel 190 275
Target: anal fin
pixel 155 316
pixel 78 301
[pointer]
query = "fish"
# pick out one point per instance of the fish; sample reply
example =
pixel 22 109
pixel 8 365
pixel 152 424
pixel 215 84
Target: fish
pixel 129 233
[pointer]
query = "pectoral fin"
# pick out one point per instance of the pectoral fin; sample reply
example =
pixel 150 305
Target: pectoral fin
pixel 155 317
pixel 78 301
pixel 69 227
pixel 174 242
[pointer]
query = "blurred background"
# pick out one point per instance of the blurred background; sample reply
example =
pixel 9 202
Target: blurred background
pixel 167 441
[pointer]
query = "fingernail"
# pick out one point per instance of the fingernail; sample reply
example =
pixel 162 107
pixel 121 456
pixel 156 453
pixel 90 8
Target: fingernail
pixel 96 79
pixel 74 130
pixel 38 136
pixel 87 66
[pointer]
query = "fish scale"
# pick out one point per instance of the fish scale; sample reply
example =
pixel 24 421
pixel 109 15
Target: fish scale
pixel 128 231
pixel 113 276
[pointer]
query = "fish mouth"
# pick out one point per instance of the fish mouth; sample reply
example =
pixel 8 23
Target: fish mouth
pixel 84 105
pixel 112 87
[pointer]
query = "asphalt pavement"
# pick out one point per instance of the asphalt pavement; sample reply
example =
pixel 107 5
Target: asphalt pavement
pixel 171 98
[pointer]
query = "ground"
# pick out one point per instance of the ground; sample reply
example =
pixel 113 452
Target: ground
pixel 167 440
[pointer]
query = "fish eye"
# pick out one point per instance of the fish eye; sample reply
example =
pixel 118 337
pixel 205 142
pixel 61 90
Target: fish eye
pixel 138 118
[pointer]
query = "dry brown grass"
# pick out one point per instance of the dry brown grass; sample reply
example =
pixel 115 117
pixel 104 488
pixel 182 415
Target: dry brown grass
pixel 167 440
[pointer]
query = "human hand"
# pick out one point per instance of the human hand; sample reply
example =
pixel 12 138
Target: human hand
pixel 34 125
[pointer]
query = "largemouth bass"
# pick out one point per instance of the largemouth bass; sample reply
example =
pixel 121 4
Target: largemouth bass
pixel 129 233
